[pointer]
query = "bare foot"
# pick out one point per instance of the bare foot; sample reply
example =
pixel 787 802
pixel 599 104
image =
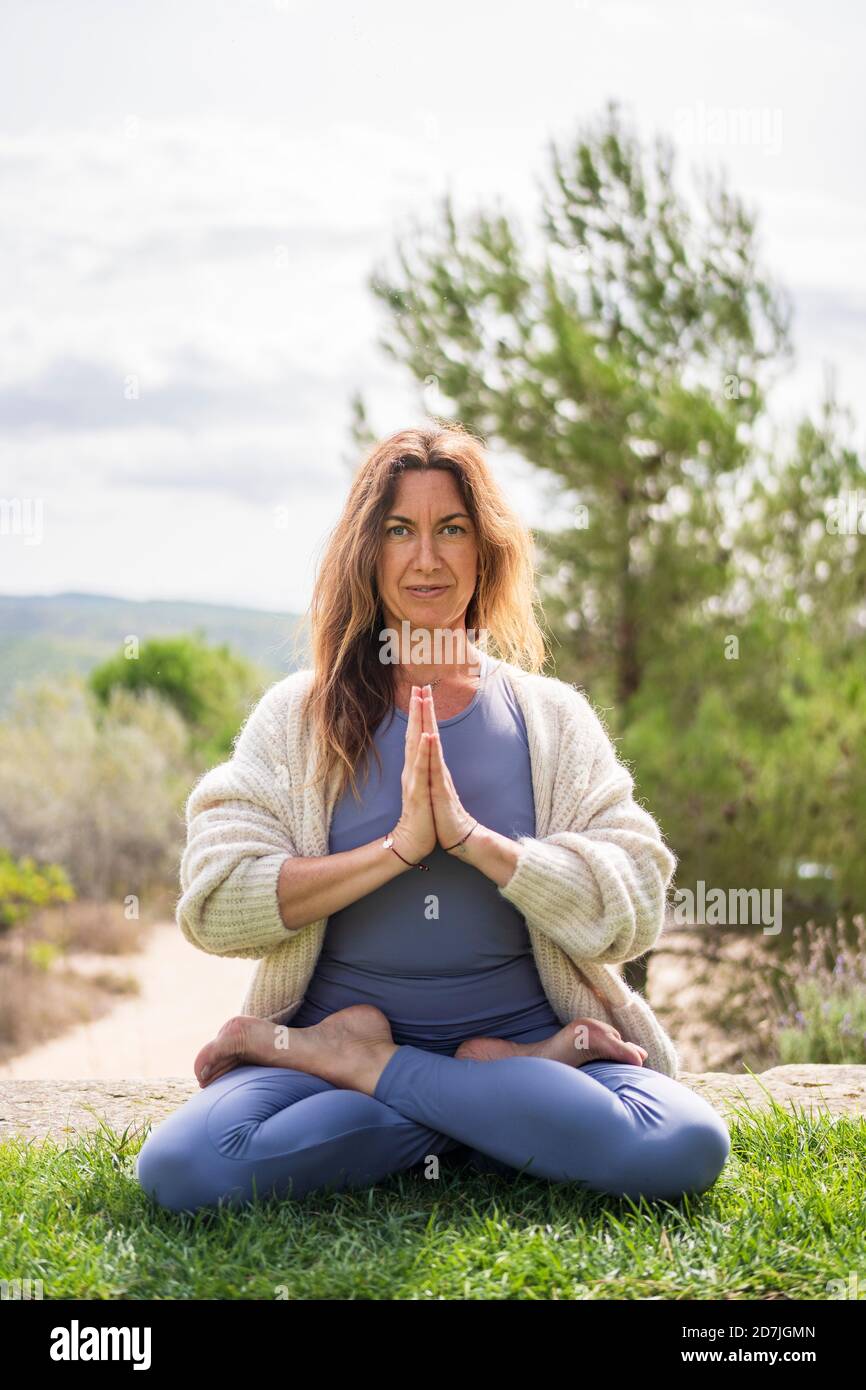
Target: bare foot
pixel 349 1048
pixel 581 1040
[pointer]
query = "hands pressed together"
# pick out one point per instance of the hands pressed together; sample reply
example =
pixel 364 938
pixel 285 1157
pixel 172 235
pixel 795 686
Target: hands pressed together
pixel 432 811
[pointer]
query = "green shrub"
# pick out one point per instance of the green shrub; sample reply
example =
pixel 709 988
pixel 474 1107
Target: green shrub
pixel 26 886
pixel 100 789
pixel 211 687
pixel 825 1015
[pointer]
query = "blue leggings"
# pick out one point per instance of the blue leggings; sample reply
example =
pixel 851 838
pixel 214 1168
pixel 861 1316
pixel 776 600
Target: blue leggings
pixel 261 1131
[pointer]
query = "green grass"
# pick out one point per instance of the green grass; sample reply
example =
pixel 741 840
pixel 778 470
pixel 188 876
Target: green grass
pixel 783 1219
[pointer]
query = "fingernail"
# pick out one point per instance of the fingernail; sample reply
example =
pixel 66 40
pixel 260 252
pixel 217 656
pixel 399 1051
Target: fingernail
pixel 205 1071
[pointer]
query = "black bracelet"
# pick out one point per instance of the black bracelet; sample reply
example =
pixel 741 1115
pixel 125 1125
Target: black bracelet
pixel 465 837
pixel 388 843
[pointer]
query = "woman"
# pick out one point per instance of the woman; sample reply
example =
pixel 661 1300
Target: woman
pixel 478 876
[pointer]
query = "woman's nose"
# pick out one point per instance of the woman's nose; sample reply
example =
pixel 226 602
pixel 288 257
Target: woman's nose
pixel 426 551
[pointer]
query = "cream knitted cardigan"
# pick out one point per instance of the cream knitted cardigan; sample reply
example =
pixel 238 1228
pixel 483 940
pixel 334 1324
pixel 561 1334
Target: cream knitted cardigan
pixel 592 887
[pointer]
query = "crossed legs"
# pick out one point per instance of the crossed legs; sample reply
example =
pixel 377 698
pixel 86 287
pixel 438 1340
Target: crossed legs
pixel 259 1129
pixel 270 1131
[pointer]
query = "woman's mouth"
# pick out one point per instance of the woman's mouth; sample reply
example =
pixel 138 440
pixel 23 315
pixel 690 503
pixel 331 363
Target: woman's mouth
pixel 427 590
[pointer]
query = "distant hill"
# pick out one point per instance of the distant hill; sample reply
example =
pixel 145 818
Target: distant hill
pixel 46 635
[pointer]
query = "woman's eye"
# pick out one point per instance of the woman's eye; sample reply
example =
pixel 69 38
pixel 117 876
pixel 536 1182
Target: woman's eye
pixel 399 526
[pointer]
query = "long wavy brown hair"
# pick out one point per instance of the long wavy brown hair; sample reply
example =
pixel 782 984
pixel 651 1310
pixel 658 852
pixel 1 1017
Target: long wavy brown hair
pixel 352 690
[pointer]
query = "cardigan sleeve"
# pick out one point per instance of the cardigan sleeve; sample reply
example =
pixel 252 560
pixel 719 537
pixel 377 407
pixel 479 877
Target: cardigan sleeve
pixel 597 884
pixel 237 840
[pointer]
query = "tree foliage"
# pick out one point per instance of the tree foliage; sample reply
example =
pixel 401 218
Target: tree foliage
pixel 211 687
pixel 695 585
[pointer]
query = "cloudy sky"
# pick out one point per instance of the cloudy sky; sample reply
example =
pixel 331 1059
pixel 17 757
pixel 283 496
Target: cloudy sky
pixel 194 195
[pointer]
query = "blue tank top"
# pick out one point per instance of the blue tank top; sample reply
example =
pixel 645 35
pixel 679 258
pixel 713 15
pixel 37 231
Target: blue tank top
pixel 442 954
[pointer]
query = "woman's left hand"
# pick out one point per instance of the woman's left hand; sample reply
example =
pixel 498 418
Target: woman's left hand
pixel 451 817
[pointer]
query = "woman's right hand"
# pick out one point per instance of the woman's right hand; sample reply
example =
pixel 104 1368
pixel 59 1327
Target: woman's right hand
pixel 415 832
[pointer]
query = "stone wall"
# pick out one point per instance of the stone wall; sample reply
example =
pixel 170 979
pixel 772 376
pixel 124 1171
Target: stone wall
pixel 62 1109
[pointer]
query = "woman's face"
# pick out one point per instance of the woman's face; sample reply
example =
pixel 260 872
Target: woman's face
pixel 428 540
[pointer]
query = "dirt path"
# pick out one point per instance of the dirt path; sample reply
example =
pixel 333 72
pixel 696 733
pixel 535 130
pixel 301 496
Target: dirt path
pixel 185 996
